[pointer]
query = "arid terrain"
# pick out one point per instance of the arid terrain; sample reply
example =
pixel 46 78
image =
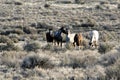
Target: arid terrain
pixel 25 54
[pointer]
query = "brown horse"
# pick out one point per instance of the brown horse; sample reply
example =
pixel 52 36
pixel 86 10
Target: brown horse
pixel 78 40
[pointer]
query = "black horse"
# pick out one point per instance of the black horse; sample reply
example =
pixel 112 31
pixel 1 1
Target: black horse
pixel 58 36
pixel 49 36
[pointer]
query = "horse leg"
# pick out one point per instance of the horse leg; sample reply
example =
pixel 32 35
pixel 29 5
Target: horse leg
pixel 96 45
pixel 54 42
pixel 57 43
pixel 81 44
pixel 74 44
pixel 61 44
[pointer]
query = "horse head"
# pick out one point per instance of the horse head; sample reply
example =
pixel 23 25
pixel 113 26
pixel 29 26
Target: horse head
pixel 64 30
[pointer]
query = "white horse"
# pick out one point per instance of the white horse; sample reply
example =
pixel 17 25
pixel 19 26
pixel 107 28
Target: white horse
pixel 94 36
pixel 71 36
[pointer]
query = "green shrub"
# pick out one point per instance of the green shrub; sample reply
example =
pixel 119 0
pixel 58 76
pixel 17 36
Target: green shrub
pixel 32 46
pixel 105 47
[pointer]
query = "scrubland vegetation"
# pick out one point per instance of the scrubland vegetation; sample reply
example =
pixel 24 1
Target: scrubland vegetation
pixel 25 54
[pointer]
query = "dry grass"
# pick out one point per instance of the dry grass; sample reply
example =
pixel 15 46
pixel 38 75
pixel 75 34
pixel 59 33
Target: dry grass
pixel 105 47
pixel 31 46
pixel 112 72
pixel 32 61
pixel 23 24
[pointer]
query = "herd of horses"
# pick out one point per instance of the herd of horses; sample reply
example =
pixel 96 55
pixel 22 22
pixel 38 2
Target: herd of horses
pixel 63 35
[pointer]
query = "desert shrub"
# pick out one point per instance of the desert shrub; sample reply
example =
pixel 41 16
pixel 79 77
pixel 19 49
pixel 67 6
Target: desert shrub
pixel 65 1
pixel 10 59
pixel 49 0
pixel 8 2
pixel 47 5
pixel 4 39
pixel 104 2
pixel 118 6
pixel 85 44
pixel 79 1
pixel 44 36
pixel 32 46
pixel 99 7
pixel 8 46
pixel 109 59
pixel 105 47
pixel 76 61
pixel 96 72
pixel 14 37
pixel 104 37
pixel 28 73
pixel 13 31
pixel 53 48
pixel 47 47
pixel 18 77
pixel 107 36
pixel 18 2
pixel 29 30
pixel 33 37
pixel 89 23
pixel 58 49
pixel 31 61
pixel 17 31
pixel 40 25
pixel 15 40
pixel 11 46
pixel 9 62
pixel 113 72
pixel 69 46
